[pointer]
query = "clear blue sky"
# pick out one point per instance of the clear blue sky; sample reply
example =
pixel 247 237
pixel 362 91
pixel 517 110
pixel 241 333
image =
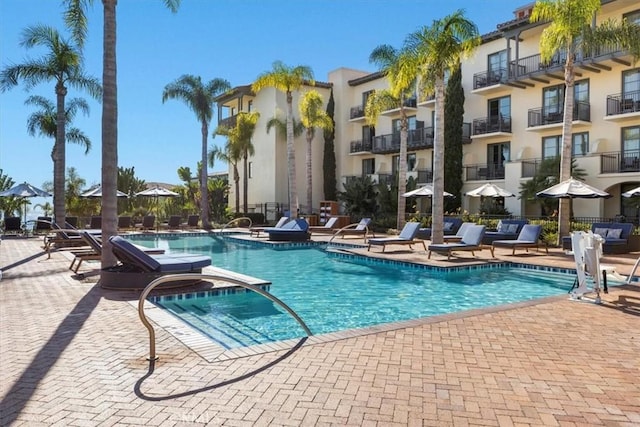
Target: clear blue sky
pixel 232 39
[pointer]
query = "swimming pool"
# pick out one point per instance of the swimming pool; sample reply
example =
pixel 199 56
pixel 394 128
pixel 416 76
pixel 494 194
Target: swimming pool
pixel 336 291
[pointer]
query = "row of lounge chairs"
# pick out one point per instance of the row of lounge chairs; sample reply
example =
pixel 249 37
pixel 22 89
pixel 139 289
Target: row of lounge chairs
pixel 299 229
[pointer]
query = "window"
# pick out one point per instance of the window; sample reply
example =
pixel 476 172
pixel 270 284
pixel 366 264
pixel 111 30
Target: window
pixel 631 141
pixel 630 83
pixel 368 166
pixel 497 66
pixel 500 107
pixel 552 100
pixel 551 146
pixel 580 144
pixel 365 97
pixel 411 163
pixel 633 16
pixel 497 155
pixel 411 124
pixel 250 106
pixel 368 132
pixel 581 91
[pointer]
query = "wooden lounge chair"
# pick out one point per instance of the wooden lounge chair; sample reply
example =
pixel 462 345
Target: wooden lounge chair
pixel 327 228
pixel 471 241
pixel 12 225
pixel 458 236
pixel 42 225
pixel 62 238
pixel 407 237
pixel 174 222
pixel 357 229
pixel 148 223
pixel 192 222
pixel 124 223
pixel 95 223
pixel 296 230
pixel 529 237
pixel 257 230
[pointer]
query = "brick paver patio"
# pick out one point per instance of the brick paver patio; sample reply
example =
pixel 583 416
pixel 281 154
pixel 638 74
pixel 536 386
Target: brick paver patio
pixel 72 354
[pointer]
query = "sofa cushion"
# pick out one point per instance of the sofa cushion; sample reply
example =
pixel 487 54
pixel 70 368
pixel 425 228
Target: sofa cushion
pixel 501 228
pixel 448 226
pixel 603 232
pixel 511 228
pixel 614 233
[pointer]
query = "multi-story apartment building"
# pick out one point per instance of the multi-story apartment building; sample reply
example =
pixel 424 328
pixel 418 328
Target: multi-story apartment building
pixel 513 120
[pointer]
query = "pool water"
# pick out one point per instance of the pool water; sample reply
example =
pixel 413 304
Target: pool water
pixel 333 293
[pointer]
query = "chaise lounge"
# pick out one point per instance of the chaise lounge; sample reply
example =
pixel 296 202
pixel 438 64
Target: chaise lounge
pixel 327 228
pixel 450 226
pixel 508 229
pixel 407 237
pixel 529 237
pixel 356 229
pixel 296 230
pixel 257 230
pixel 471 241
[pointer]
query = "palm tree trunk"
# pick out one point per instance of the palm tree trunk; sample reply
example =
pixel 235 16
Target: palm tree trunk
pixel 109 133
pixel 291 160
pixel 59 164
pixel 236 180
pixel 309 208
pixel 437 202
pixel 402 169
pixel 204 174
pixel 564 210
pixel 245 182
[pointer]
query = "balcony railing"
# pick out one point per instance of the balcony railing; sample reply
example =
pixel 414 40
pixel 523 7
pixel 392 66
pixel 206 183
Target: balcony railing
pixel 484 172
pixel 228 122
pixel 620 161
pixel 356 112
pixel 490 78
pixel 492 124
pixel 417 139
pixel 622 103
pixel 361 146
pixel 543 116
pixel 425 176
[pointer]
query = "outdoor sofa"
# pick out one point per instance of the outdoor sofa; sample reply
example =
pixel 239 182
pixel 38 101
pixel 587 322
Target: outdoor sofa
pixel 508 229
pixel 615 234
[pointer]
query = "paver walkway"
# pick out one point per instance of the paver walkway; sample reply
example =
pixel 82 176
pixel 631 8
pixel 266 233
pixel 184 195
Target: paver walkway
pixel 74 354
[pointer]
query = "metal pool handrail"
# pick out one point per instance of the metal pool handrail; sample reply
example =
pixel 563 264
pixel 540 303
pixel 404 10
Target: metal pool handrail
pixel 199 276
pixel 237 220
pixel 347 227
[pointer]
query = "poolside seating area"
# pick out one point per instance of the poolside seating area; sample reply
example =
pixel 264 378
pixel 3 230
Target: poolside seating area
pixel 359 229
pixel 296 230
pixel 615 234
pixel 507 229
pixel 529 237
pixel 471 241
pixel 407 237
pixel 450 226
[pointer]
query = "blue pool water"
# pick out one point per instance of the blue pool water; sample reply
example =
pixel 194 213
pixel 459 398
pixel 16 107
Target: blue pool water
pixel 332 292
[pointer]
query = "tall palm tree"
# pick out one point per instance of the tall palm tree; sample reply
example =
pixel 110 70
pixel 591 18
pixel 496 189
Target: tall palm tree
pixel 199 97
pixel 571 31
pixel 76 19
pixel 44 121
pixel 401 74
pixel 312 116
pixel 245 127
pixel 62 64
pixel 287 79
pixel 230 154
pixel 437 49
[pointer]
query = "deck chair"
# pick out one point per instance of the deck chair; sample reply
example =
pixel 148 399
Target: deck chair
pixel 357 229
pixel 72 221
pixel 148 223
pixel 192 221
pixel 42 225
pixel 95 251
pixel 327 228
pixel 12 226
pixel 529 237
pixel 124 223
pixel 95 223
pixel 174 222
pixel 257 230
pixel 296 230
pixel 62 238
pixel 407 237
pixel 458 236
pixel 471 241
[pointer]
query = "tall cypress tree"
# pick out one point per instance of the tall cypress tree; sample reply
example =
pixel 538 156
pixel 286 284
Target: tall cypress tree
pixel 453 122
pixel 329 159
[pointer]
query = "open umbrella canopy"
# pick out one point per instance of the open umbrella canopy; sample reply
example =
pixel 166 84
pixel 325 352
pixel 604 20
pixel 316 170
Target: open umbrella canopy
pixel 572 189
pixel 425 191
pixel 632 193
pixel 157 192
pixel 97 192
pixel 24 190
pixel 489 190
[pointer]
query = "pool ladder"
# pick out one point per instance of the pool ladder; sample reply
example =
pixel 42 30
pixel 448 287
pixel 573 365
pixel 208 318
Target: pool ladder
pixel 199 276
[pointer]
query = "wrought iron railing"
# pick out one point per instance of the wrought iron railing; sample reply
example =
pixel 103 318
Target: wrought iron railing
pixel 622 103
pixel 356 112
pixel 425 176
pixel 492 124
pixel 228 122
pixel 489 78
pixel 360 146
pixel 620 161
pixel 482 172
pixel 546 116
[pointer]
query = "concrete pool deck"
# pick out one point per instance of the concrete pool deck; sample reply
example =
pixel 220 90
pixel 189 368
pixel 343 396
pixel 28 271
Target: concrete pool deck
pixel 72 353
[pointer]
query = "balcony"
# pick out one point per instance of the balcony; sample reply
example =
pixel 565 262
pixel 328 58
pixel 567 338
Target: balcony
pixel 623 107
pixel 411 104
pixel 356 113
pixel 417 139
pixel 425 176
pixel 545 118
pixel 484 172
pixel 620 162
pixel 491 126
pixel 427 101
pixel 489 81
pixel 360 147
pixel 228 122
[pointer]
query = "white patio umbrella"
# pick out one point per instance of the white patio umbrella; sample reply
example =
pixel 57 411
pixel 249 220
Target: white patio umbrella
pixel 97 192
pixel 24 190
pixel 157 192
pixel 632 193
pixel 424 191
pixel 489 190
pixel 572 189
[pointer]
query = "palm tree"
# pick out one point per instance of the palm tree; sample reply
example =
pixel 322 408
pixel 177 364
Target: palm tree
pixel 312 116
pixel 199 97
pixel 76 19
pixel 244 129
pixel 44 123
pixel 231 154
pixel 438 49
pixel 287 79
pixel 569 32
pixel 45 207
pixel 62 64
pixel 401 74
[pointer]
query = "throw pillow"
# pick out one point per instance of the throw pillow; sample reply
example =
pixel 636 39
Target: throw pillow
pixel 512 228
pixel 501 227
pixel 601 231
pixel 614 233
pixel 448 226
